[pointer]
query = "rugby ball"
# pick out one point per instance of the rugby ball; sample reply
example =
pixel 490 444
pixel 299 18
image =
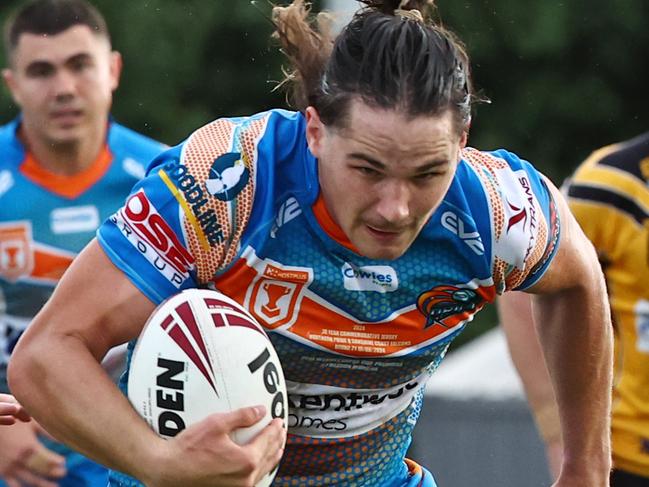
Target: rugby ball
pixel 199 353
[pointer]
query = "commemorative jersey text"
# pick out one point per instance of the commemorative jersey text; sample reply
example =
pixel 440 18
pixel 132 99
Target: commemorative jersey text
pixel 358 338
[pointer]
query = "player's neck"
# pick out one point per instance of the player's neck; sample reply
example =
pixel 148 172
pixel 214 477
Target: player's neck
pixel 65 158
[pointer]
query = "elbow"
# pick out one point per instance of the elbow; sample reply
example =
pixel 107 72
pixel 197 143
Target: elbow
pixel 22 370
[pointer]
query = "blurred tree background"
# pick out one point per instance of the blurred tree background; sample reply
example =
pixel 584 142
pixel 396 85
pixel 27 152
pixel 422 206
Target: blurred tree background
pixel 564 77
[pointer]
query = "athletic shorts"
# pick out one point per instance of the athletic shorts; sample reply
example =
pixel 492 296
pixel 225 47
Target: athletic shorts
pixel 419 477
pixel 620 478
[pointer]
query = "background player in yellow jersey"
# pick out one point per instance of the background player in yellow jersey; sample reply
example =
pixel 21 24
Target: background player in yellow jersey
pixel 609 195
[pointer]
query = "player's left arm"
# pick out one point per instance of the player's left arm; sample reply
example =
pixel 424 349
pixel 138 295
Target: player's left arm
pixel 571 309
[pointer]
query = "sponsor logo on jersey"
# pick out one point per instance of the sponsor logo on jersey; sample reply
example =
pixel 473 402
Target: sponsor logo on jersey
pixel 455 225
pixel 346 401
pixel 289 210
pixel 6 182
pixel 74 219
pixel 275 296
pixel 16 250
pixel 346 413
pixel 378 278
pixel 228 176
pixel 194 202
pixel 146 230
pixel 519 215
pixel 520 228
pixel 522 215
pixel 444 301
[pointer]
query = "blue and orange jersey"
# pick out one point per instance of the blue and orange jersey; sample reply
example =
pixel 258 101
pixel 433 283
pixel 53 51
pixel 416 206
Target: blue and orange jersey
pixel 237 207
pixel 46 219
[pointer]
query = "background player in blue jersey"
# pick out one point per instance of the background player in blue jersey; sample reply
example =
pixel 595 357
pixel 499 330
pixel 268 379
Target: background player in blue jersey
pixel 384 233
pixel 64 166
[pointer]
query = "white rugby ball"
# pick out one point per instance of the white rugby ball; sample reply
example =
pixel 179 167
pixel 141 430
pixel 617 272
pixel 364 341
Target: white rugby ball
pixel 200 353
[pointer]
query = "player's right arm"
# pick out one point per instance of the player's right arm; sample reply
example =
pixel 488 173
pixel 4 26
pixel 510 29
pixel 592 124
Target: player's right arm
pixel 55 373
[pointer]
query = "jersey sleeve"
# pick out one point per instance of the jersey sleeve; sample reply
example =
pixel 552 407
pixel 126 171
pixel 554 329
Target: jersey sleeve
pixel 184 222
pixel 524 222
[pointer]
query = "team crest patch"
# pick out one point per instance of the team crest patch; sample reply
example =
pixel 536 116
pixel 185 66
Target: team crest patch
pixel 276 295
pixel 443 302
pixel 228 176
pixel 16 250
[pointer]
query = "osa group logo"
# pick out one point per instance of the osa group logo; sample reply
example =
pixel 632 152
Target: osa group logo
pixel 443 301
pixel 228 176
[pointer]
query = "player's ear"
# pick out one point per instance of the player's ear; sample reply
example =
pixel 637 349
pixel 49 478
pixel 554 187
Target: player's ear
pixel 116 64
pixel 463 139
pixel 315 130
pixel 9 79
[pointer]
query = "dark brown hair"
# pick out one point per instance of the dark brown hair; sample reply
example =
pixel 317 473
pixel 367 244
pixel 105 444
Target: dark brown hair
pixel 51 17
pixel 390 55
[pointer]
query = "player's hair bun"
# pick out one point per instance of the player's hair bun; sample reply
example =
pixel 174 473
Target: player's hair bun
pixel 390 7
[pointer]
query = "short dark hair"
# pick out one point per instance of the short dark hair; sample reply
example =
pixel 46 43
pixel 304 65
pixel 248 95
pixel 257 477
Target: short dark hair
pixel 390 55
pixel 51 17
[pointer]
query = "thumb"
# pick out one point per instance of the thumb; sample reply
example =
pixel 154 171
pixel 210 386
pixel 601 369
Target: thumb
pixel 244 417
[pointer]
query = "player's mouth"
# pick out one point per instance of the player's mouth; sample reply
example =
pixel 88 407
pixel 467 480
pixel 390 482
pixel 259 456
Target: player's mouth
pixel 384 235
pixel 66 116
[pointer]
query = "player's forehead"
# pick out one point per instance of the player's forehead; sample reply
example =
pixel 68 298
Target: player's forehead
pixel 58 48
pixel 391 135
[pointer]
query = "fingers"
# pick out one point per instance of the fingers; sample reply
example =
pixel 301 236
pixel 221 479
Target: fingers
pixel 269 445
pixel 242 418
pixel 40 469
pixel 10 410
pixel 25 477
pixel 7 415
pixel 46 463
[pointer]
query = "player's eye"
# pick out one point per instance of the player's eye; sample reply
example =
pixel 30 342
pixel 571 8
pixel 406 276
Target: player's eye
pixel 40 70
pixel 427 176
pixel 79 65
pixel 368 171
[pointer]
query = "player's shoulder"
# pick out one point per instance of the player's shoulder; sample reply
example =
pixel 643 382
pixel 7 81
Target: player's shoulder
pixel 629 159
pixel 486 162
pixel 124 138
pixel 242 142
pixel 237 133
pixel 495 174
pixel 613 174
pixel 12 150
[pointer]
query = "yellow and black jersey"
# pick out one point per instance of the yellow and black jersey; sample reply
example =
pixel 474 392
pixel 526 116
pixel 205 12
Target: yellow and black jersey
pixel 609 195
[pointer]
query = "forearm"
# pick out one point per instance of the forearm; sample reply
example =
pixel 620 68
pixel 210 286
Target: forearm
pixel 59 374
pixel 515 312
pixel 575 331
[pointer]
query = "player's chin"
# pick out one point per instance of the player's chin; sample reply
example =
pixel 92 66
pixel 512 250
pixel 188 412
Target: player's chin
pixel 66 136
pixel 382 251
